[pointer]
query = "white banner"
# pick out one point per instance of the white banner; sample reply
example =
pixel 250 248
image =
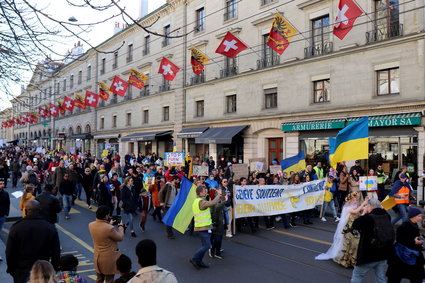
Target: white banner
pixel 277 199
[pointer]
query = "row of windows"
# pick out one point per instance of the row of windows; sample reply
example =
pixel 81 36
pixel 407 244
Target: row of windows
pixel 128 117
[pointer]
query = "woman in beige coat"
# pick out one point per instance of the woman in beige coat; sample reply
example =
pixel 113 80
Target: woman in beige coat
pixel 105 241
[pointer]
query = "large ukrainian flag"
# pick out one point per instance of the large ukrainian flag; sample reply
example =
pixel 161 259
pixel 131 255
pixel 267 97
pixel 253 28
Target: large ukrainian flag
pixel 332 144
pixel 180 213
pixel 295 163
pixel 352 142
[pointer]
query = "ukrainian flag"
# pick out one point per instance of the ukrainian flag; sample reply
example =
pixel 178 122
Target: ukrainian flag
pixel 352 142
pixel 180 213
pixel 332 143
pixel 295 163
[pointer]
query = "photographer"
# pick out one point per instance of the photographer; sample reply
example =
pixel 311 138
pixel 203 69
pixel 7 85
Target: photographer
pixel 105 240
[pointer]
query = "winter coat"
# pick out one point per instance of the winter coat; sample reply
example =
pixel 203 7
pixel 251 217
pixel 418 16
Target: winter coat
pixel 129 199
pixel 343 181
pixel 50 206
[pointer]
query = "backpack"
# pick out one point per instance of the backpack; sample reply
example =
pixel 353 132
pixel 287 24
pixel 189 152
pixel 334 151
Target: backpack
pixel 33 179
pixel 383 231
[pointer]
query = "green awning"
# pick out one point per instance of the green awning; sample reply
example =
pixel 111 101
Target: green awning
pixel 313 125
pixel 409 119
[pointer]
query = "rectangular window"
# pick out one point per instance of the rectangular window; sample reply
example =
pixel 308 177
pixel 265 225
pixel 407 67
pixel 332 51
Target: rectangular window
pixel 80 77
pixel 388 81
pixel 230 67
pixel 130 53
pixel 269 56
pixel 64 85
pixel 102 123
pixel 129 95
pixel 102 68
pixel 166 113
pixel 167 31
pixel 231 103
pixel 146 45
pixel 386 21
pixel 270 98
pixel 88 73
pixel 200 108
pixel 71 81
pixel 200 20
pixel 320 37
pixel 230 10
pixel 321 91
pixel 114 121
pixel 145 116
pixel 50 91
pixel 264 2
pixel 128 119
pixel 115 62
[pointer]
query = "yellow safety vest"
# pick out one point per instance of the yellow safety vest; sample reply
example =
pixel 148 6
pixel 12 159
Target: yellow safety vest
pixel 319 172
pixel 202 217
pixel 381 177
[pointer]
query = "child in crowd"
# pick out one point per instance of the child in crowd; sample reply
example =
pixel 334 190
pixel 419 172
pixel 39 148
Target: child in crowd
pixel 124 267
pixel 330 189
pixel 145 204
pixel 68 270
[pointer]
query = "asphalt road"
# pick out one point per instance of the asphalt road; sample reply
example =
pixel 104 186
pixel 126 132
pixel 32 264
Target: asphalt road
pixel 279 255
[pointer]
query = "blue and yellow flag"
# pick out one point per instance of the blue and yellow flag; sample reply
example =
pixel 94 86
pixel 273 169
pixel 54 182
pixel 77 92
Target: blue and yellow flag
pixel 332 143
pixel 180 213
pixel 295 163
pixel 352 142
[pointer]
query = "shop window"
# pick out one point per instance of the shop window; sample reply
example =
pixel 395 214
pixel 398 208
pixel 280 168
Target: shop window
pixel 128 119
pixel 231 103
pixel 114 121
pixel 200 20
pixel 102 123
pixel 321 91
pixel 145 116
pixel 270 98
pixel 388 81
pixel 200 108
pixel 166 113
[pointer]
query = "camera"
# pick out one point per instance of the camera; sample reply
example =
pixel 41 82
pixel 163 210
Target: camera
pixel 116 219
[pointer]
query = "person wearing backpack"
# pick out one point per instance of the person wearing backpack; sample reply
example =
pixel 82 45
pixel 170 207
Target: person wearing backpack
pixel 376 239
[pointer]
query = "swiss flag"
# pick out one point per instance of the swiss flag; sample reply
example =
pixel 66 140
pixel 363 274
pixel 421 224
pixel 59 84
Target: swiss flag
pixel 168 69
pixel 92 99
pixel 230 46
pixel 54 110
pixel 68 103
pixel 119 86
pixel 348 12
pixel 42 112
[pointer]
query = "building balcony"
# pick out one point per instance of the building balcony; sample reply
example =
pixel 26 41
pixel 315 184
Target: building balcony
pixel 102 71
pixel 165 42
pixel 114 66
pixel 144 92
pixel 318 49
pixel 164 87
pixel 229 15
pixel 228 72
pixel 199 79
pixel 384 32
pixel 268 62
pixel 113 100
pixel 145 51
pixel 129 58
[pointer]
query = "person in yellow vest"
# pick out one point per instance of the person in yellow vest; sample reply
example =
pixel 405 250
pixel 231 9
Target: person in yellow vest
pixel 319 170
pixel 203 223
pixel 401 192
pixel 382 178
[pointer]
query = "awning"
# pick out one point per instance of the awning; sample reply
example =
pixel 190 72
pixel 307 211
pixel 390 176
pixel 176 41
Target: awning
pixel 102 137
pixel 409 119
pixel 44 137
pixel 147 136
pixel 222 135
pixel 13 141
pixel 191 132
pixel 85 136
pixel 313 125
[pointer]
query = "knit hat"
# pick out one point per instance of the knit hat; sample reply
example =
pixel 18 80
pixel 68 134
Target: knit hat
pixel 414 212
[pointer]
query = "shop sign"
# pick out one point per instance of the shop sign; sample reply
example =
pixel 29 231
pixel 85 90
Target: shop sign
pixel 313 125
pixel 391 122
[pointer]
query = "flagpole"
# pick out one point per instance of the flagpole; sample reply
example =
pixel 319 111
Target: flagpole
pixel 367 15
pixel 286 19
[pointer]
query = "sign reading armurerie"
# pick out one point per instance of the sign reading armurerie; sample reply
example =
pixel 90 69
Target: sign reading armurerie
pixel 277 199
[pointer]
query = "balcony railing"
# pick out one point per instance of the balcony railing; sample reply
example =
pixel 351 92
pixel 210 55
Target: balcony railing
pixel 144 91
pixel 268 61
pixel 228 72
pixel 146 51
pixel 102 103
pixel 128 96
pixel 318 49
pixel 384 32
pixel 113 100
pixel 114 66
pixel 199 79
pixel 199 28
pixel 164 87
pixel 229 15
pixel 102 71
pixel 129 58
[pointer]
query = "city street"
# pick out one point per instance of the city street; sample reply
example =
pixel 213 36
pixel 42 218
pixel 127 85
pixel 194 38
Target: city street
pixel 267 256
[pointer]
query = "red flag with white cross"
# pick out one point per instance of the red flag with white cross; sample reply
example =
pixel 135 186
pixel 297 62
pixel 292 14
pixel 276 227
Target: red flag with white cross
pixel 119 86
pixel 42 112
pixel 168 69
pixel 230 46
pixel 54 110
pixel 92 99
pixel 68 103
pixel 348 12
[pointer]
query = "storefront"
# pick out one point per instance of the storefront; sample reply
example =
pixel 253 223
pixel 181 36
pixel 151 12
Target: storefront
pixel 109 142
pixel 82 142
pixel 188 136
pixel 149 142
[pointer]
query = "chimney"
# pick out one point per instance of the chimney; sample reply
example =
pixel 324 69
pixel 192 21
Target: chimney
pixel 117 28
pixel 143 8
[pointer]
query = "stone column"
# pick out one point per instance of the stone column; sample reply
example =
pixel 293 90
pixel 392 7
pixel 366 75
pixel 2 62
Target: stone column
pixel 421 153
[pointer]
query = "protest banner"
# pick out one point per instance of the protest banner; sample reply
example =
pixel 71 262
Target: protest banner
pixel 368 183
pixel 199 170
pixel 277 199
pixel 258 164
pixel 274 169
pixel 240 170
pixel 174 158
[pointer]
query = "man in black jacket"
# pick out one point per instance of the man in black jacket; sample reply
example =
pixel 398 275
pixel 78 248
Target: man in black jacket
pixel 370 255
pixel 49 204
pixel 4 205
pixel 30 239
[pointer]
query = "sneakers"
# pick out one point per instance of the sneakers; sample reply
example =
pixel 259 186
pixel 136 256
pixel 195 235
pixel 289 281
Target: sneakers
pixel 293 224
pixel 278 218
pixel 209 253
pixel 194 263
pixel 67 217
pixel 323 219
pixel 142 227
pixel 133 234
pixel 218 256
pixel 229 235
pixel 336 219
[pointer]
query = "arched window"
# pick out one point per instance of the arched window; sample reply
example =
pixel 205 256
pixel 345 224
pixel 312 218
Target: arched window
pixel 88 128
pixel 78 131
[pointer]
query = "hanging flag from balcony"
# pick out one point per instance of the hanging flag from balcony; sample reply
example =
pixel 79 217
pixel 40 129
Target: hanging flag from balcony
pixel 79 101
pixel 280 34
pixel 22 120
pixel 230 46
pixel 60 106
pixel 33 118
pixel 53 109
pixel 198 60
pixel 137 79
pixel 92 99
pixel 104 92
pixel 168 69
pixel 42 112
pixel 68 103
pixel 348 12
pixel 119 86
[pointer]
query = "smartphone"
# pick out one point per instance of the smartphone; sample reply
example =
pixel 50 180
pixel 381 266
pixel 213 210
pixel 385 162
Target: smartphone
pixel 116 219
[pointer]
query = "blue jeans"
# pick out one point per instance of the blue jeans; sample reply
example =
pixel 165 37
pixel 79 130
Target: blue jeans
pixel 78 189
pixel 2 220
pixel 206 244
pixel 130 218
pixel 67 202
pixel 331 204
pixel 360 271
pixel 402 213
